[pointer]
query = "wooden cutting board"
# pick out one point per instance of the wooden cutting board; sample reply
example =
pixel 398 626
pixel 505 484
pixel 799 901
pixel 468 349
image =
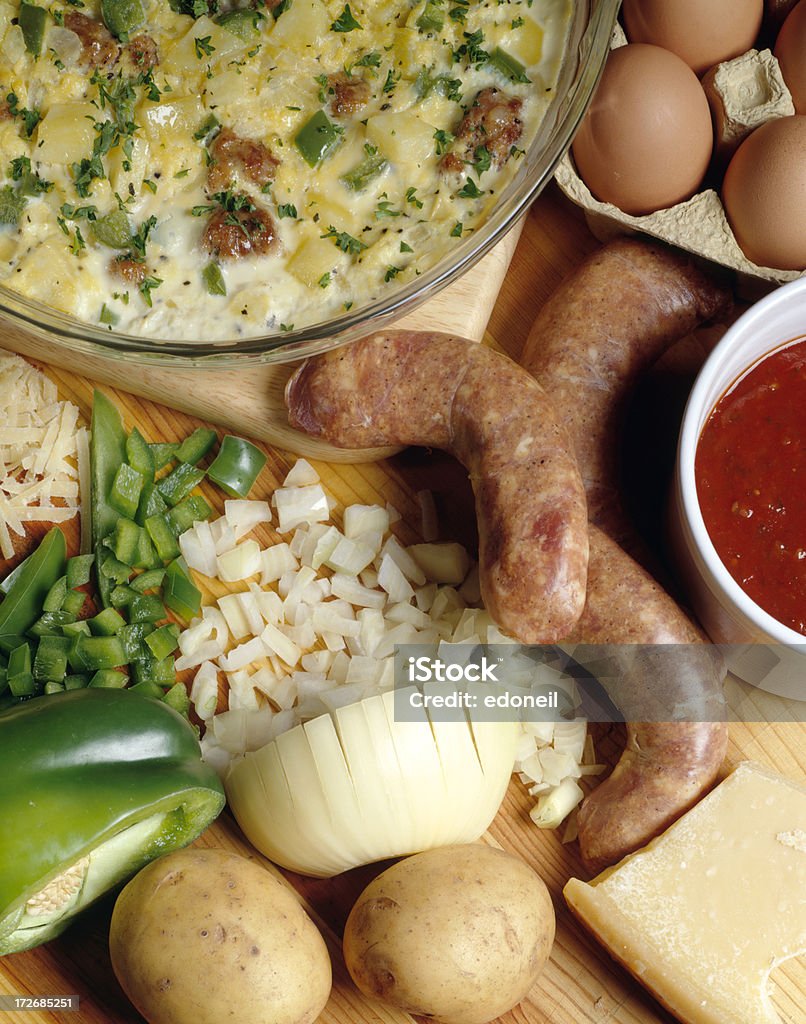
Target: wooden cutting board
pixel 249 400
pixel 580 985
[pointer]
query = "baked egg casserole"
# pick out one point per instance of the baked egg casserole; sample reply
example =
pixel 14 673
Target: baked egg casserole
pixel 189 169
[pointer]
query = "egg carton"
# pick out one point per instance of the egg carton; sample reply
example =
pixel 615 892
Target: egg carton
pixel 743 93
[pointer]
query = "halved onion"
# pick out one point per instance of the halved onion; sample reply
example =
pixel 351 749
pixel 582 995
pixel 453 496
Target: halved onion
pixel 359 786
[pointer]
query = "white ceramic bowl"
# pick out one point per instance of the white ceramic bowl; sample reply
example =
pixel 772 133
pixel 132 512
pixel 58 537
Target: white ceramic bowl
pixel 725 611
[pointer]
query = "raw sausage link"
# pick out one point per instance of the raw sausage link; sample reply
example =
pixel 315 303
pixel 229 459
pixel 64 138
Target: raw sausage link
pixel 604 325
pixel 401 387
pixel 589 344
pixel 666 766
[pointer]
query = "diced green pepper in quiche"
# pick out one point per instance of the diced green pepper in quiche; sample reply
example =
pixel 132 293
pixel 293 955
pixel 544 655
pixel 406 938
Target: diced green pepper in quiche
pixel 113 229
pixel 32 21
pixel 243 24
pixel 317 137
pixel 122 17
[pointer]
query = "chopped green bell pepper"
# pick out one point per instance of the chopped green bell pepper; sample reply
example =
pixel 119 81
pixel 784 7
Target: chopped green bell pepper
pixel 198 444
pixel 107 453
pixel 22 605
pixel 94 783
pixel 237 466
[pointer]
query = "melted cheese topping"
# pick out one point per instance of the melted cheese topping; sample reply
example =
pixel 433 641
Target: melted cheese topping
pixel 120 140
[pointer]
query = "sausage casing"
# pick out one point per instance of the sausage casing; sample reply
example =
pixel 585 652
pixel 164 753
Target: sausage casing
pixel 436 390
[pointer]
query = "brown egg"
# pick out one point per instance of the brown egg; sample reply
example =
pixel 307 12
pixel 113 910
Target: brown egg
pixel 790 49
pixel 702 32
pixel 764 194
pixel 646 139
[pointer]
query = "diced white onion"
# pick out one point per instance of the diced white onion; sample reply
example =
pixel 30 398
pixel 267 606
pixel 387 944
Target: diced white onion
pixel 243 515
pixel 297 505
pixel 301 474
pixel 392 580
pixel 243 561
pixel 204 691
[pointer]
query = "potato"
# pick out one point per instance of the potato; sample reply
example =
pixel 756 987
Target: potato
pixel 204 936
pixel 458 934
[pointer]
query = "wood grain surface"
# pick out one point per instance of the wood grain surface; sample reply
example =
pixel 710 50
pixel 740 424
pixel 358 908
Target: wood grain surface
pixel 580 985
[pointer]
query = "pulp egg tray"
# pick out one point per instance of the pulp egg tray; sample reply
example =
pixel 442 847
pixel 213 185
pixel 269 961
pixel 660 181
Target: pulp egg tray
pixel 744 93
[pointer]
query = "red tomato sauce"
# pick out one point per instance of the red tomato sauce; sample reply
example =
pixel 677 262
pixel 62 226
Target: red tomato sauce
pixel 750 470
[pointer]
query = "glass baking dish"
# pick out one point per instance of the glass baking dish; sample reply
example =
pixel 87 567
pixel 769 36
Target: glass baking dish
pixel 588 44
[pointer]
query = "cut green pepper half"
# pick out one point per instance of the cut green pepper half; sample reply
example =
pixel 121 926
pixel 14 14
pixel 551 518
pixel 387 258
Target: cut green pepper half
pixel 94 783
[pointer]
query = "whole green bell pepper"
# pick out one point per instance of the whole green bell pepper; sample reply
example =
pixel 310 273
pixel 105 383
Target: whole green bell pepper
pixel 94 784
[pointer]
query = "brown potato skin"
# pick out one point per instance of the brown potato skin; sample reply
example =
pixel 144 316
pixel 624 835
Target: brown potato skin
pixel 436 390
pixel 205 936
pixel 608 322
pixel 458 934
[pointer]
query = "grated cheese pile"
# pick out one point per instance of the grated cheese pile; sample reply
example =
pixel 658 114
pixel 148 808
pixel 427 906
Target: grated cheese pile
pixel 318 630
pixel 43 452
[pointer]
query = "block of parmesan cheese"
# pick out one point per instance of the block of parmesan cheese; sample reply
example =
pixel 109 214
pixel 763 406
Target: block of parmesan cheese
pixel 703 914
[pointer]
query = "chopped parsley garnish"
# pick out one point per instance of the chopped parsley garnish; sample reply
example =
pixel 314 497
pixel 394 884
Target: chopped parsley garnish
pixel 443 140
pixel 344 241
pixel 459 13
pixel 207 127
pixel 78 212
pixel 286 210
pixel 147 286
pixel 108 316
pixel 405 247
pixel 195 8
pixel 384 209
pixel 85 172
pixel 324 87
pixel 140 237
pixel 481 160
pixel 230 201
pixel 411 197
pixel 286 327
pixel 470 190
pixel 457 229
pixel 391 272
pixel 516 23
pixel 369 60
pixel 183 173
pixel 345 21
pixel 392 78
pixel 324 280
pixel 78 244
pixel 30 118
pixel 471 50
pixel 203 46
pixel 30 182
